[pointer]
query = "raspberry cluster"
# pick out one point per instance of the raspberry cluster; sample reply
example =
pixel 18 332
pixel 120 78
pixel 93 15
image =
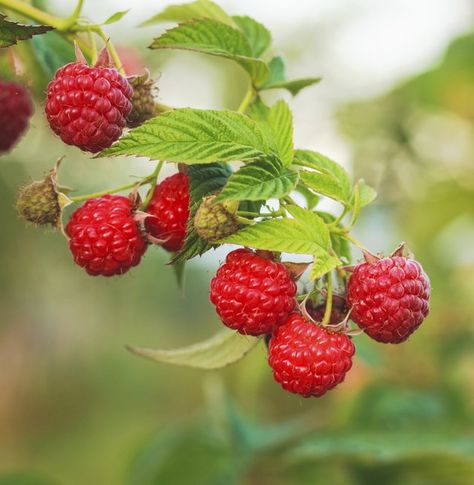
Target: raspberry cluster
pixel 388 298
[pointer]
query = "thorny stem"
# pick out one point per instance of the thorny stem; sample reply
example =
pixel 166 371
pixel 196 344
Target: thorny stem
pixel 354 241
pixel 328 310
pixel 80 198
pixel 113 53
pixel 154 180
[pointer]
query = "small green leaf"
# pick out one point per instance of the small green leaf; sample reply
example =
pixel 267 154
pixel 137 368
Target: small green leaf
pixel 193 10
pixel 280 120
pixel 306 233
pixel 260 180
pixel 258 36
pixel 194 136
pixel 277 78
pixel 323 263
pixel 116 17
pixel 204 180
pixel 222 349
pixel 328 177
pixel 11 32
pixel 367 193
pixel 217 39
pixel 312 199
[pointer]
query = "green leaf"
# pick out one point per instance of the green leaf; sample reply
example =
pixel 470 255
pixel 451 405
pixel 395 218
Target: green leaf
pixel 306 233
pixel 194 136
pixel 222 349
pixel 277 78
pixel 329 178
pixel 217 39
pixel 204 180
pixel 367 193
pixel 258 36
pixel 11 32
pixel 312 199
pixel 193 10
pixel 380 446
pixel 116 17
pixel 323 263
pixel 280 121
pixel 260 180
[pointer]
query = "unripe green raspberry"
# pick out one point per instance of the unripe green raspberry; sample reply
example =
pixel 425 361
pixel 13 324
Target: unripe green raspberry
pixel 216 221
pixel 143 102
pixel 40 202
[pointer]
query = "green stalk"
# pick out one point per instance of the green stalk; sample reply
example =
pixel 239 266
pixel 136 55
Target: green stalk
pixel 246 101
pixel 80 198
pixel 35 14
pixel 328 310
pixel 154 180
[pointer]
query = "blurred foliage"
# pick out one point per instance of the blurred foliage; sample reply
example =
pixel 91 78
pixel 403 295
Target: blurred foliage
pixel 76 408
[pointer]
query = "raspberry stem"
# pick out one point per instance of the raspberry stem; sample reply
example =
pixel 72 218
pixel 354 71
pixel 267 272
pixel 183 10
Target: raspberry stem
pixel 154 181
pixel 80 198
pixel 328 310
pixel 246 101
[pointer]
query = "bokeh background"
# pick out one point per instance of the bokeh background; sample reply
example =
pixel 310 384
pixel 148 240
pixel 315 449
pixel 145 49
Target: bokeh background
pixel 396 107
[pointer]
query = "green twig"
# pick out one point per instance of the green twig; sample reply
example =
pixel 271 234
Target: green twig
pixel 154 180
pixel 246 101
pixel 80 198
pixel 328 310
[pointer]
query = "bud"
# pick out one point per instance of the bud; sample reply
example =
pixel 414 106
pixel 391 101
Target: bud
pixel 41 202
pixel 216 221
pixel 143 100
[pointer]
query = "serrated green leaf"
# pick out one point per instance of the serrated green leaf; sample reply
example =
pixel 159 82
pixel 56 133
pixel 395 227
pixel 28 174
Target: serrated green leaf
pixel 217 39
pixel 11 32
pixel 116 17
pixel 204 180
pixel 258 36
pixel 193 10
pixel 280 120
pixel 306 233
pixel 323 263
pixel 260 180
pixel 329 178
pixel 193 136
pixel 222 349
pixel 277 78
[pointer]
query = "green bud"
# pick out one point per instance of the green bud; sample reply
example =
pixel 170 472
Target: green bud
pixel 143 100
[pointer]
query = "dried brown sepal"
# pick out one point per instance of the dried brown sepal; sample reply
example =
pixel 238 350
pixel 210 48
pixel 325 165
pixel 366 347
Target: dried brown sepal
pixel 370 257
pixel 296 269
pixel 400 250
pixel 41 202
pixel 104 59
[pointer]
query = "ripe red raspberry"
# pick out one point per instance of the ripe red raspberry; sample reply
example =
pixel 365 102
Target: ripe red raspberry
pixel 87 106
pixel 105 239
pixel 308 359
pixel 252 295
pixel 170 206
pixel 15 111
pixel 389 298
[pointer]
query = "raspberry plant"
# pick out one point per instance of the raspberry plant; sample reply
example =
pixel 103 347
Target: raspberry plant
pixel 240 180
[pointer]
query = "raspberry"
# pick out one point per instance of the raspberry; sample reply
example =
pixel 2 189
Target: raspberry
pixel 87 106
pixel 308 359
pixel 170 206
pixel 252 295
pixel 105 239
pixel 216 221
pixel 143 101
pixel 15 111
pixel 389 298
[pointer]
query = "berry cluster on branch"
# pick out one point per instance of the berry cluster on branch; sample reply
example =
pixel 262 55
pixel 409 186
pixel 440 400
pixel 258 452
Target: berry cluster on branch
pixel 269 203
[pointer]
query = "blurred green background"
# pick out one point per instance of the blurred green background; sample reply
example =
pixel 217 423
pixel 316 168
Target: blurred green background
pixel 77 408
